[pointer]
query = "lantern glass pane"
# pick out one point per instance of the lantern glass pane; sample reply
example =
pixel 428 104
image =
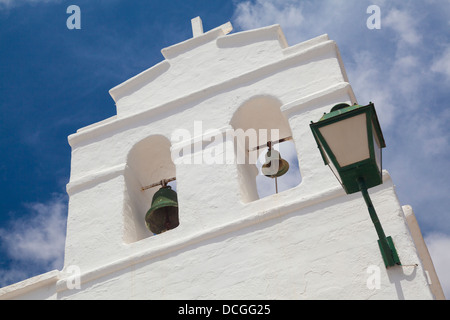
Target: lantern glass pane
pixel 347 139
pixel 333 168
pixel 377 148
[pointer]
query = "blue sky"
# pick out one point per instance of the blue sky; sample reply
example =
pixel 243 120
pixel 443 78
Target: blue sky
pixel 54 81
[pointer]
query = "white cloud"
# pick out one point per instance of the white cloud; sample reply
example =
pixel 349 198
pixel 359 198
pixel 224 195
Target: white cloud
pixel 442 63
pixel 439 248
pixel 368 80
pixel 404 24
pixel 15 3
pixel 36 239
pixel 5 3
pixel 302 20
pixel 261 13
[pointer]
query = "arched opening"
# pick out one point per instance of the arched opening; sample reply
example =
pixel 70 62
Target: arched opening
pixel 148 162
pixel 257 122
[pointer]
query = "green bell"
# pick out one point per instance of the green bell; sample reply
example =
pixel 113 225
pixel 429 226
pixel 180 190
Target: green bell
pixel 163 214
pixel 275 166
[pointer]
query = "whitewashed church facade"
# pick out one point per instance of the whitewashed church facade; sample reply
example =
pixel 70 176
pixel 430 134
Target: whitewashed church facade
pixel 311 241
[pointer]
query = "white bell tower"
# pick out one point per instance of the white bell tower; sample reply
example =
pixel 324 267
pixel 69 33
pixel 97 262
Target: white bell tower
pixel 193 117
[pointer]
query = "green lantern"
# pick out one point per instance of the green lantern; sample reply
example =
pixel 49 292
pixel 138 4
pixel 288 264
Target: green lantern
pixel 350 142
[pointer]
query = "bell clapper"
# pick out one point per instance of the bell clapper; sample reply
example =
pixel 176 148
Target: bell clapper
pixel 276 185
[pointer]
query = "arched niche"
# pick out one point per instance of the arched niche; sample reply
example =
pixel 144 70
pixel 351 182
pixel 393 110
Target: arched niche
pixel 256 122
pixel 149 161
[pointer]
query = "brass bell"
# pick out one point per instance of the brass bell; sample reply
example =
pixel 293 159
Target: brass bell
pixel 163 214
pixel 275 166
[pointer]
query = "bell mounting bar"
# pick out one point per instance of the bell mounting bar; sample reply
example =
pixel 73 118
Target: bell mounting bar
pixel 163 183
pixel 271 142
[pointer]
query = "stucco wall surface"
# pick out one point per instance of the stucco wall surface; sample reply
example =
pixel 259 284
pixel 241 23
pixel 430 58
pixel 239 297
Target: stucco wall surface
pixel 326 250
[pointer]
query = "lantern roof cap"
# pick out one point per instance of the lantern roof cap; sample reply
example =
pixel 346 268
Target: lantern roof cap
pixel 340 108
